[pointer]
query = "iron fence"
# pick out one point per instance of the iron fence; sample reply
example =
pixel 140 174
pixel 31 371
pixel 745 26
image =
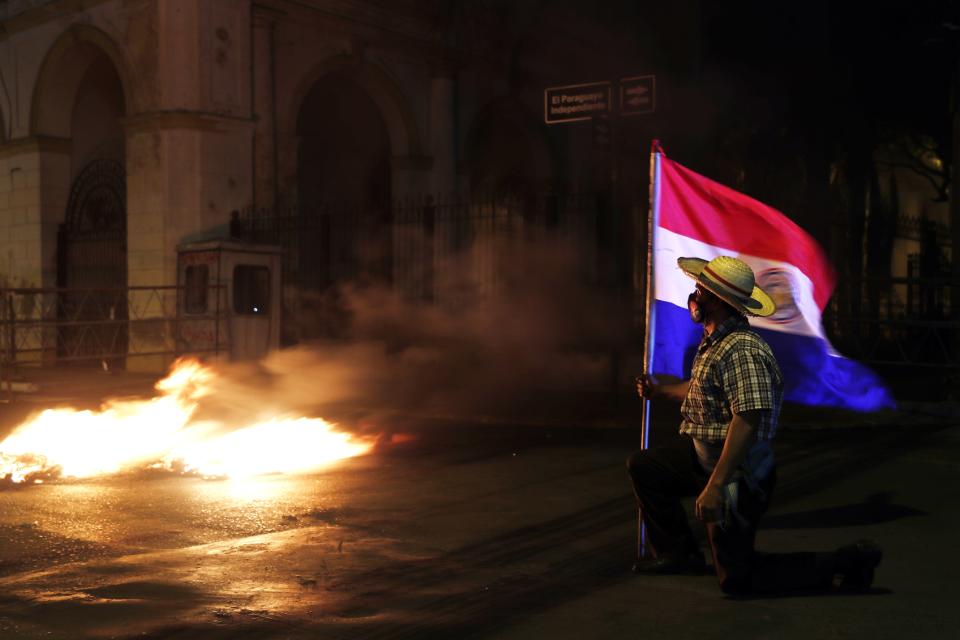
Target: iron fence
pixel 437 250
pixel 895 321
pixel 333 242
pixel 922 228
pixel 106 326
pixel 411 244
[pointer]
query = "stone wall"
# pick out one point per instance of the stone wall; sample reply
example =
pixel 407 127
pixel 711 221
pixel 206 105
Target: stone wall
pixel 213 96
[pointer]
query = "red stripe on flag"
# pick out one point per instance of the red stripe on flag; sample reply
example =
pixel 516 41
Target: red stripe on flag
pixel 699 208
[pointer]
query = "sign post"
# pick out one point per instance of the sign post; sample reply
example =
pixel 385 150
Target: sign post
pixel 592 101
pixel 637 95
pixel 576 102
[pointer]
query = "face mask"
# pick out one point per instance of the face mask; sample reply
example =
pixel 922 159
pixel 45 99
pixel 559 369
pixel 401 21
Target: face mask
pixel 693 305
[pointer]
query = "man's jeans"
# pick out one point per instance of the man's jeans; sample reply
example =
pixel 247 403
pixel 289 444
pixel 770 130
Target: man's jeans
pixel 662 476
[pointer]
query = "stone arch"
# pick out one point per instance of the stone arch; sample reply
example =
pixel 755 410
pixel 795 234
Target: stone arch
pixel 505 150
pixel 345 179
pixel 96 130
pixel 62 72
pixel 343 145
pixel 81 96
pixel 385 93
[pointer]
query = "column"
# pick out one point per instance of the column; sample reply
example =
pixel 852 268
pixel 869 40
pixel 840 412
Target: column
pixel 34 188
pixel 264 107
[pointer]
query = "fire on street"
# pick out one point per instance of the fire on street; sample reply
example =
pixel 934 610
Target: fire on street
pixel 461 531
pixel 159 433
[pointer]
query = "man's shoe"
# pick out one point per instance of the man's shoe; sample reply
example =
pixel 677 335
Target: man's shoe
pixel 856 563
pixel 687 564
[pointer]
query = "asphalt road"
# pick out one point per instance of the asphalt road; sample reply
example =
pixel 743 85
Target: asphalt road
pixel 470 531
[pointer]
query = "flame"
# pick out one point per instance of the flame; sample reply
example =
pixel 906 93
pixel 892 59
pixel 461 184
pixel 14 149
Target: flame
pixel 159 433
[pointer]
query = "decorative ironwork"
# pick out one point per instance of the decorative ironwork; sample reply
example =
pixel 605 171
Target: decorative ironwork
pixel 901 321
pixel 914 228
pixel 97 204
pixel 410 244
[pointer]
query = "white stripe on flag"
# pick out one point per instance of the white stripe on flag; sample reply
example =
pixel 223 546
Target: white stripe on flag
pixel 789 287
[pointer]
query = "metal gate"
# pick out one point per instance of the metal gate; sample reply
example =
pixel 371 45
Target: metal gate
pixel 92 256
pixel 410 246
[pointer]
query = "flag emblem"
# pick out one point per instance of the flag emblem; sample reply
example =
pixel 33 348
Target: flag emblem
pixel 779 285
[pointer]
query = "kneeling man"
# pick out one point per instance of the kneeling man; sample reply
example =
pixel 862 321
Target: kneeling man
pixel 730 409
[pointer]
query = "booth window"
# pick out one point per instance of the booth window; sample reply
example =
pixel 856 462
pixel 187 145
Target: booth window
pixel 197 284
pixel 251 289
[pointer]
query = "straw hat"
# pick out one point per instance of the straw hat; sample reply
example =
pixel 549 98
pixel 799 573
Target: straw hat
pixel 731 280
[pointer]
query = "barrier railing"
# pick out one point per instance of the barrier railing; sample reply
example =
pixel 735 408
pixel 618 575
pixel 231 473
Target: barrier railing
pixel 895 321
pixel 106 325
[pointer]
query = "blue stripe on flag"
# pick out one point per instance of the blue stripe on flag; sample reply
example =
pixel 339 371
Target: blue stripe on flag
pixel 676 337
pixel 811 375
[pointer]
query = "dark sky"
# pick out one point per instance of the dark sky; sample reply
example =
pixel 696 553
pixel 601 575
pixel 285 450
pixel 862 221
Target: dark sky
pixel 893 60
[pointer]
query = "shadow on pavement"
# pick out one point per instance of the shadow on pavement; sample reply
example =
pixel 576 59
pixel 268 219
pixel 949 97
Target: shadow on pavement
pixel 874 509
pixel 813 593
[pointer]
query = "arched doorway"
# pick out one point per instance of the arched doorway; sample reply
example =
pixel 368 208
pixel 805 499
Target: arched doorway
pixel 92 239
pixel 343 185
pixel 92 266
pixel 506 155
pixel 344 212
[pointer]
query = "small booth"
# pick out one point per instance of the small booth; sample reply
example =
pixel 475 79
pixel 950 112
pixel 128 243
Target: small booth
pixel 229 298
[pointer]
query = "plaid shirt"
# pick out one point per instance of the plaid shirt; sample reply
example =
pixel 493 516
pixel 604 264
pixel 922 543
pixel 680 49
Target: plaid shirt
pixel 734 371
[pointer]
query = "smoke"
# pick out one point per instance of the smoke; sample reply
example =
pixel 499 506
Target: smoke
pixel 507 319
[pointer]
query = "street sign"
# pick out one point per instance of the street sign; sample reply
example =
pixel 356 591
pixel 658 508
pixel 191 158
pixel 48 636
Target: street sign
pixel 576 102
pixel 637 95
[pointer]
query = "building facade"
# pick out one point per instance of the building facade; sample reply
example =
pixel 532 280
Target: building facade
pixel 130 127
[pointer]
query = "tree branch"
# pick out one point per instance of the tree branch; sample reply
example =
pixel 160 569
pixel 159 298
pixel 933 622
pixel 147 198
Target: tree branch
pixel 937 179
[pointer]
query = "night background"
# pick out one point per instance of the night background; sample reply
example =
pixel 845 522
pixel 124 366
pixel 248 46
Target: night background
pixel 316 321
